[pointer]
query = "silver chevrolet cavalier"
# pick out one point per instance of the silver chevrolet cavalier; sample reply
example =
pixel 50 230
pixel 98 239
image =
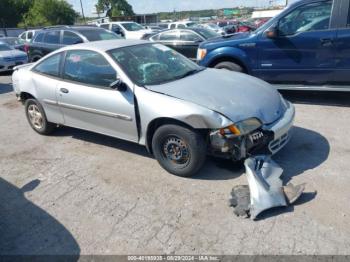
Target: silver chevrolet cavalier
pixel 149 94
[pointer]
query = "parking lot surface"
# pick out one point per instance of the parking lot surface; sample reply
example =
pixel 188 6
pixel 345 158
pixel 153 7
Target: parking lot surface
pixel 77 192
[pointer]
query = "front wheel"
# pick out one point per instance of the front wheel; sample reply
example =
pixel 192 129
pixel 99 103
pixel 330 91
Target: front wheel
pixel 37 118
pixel 229 66
pixel 179 150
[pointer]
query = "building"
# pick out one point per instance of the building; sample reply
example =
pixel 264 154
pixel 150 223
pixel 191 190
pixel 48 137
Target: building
pixel 141 19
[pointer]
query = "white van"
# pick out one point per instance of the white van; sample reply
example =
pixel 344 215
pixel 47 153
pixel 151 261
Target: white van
pixel 127 29
pixel 27 36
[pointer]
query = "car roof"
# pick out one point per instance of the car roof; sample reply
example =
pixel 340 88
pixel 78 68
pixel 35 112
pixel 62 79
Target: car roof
pixel 106 45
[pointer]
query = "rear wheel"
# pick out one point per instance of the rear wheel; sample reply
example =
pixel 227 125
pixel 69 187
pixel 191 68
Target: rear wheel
pixel 229 66
pixel 179 150
pixel 37 118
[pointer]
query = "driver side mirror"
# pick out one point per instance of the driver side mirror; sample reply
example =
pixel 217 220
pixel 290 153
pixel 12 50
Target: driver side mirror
pixel 118 85
pixel 272 33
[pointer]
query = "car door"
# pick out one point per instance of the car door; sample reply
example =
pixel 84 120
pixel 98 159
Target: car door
pixel 47 77
pixel 51 42
pixel 189 42
pixel 88 102
pixel 171 39
pixel 302 51
pixel 342 45
pixel 118 30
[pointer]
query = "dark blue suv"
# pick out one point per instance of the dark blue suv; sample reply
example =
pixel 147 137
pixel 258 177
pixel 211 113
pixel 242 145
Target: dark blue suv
pixel 307 44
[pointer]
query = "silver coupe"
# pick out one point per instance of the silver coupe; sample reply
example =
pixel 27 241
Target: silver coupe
pixel 149 94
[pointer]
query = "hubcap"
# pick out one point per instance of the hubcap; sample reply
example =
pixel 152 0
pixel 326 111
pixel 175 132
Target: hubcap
pixel 35 116
pixel 176 150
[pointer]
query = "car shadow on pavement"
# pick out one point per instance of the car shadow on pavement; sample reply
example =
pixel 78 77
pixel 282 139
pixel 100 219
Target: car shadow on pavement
pixel 5 88
pixel 103 140
pixel 327 98
pixel 306 150
pixel 26 229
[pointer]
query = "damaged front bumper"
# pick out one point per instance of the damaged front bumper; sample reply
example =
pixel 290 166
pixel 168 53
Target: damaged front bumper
pixel 269 139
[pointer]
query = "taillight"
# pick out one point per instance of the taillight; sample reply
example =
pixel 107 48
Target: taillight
pixel 26 48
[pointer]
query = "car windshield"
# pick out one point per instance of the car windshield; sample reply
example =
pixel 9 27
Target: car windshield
pixel 206 33
pixel 132 26
pixel 4 47
pixel 153 64
pixel 98 34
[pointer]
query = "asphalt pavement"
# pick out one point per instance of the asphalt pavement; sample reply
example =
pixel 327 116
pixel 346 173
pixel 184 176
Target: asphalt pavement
pixel 76 192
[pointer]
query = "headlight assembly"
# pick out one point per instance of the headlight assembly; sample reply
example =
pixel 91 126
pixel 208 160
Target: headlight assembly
pixel 241 128
pixel 201 53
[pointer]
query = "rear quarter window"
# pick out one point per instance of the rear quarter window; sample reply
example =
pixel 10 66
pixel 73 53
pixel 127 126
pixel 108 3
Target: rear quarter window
pixel 50 66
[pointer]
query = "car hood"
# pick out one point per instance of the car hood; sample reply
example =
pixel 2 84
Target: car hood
pixel 12 53
pixel 234 95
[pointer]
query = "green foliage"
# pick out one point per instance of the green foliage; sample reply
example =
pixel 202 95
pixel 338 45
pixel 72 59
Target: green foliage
pixel 114 8
pixel 50 12
pixel 12 11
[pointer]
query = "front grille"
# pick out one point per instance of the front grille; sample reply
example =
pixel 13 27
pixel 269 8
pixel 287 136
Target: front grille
pixel 276 145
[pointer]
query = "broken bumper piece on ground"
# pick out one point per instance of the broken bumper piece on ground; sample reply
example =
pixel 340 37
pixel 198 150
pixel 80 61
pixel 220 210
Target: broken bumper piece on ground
pixel 265 189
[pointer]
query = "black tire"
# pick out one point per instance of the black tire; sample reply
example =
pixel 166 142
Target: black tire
pixel 229 66
pixel 35 59
pixel 170 138
pixel 46 127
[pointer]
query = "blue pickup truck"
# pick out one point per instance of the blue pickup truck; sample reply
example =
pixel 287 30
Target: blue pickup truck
pixel 307 46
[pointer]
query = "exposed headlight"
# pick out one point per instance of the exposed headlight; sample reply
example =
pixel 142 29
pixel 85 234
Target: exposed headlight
pixel 201 53
pixel 241 128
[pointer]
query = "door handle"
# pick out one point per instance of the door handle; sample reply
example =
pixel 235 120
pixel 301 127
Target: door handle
pixel 326 41
pixel 64 90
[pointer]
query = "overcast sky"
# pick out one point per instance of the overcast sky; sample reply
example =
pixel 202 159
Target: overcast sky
pixel 152 6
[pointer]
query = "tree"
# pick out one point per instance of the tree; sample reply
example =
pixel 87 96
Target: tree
pixel 50 12
pixel 114 8
pixel 12 11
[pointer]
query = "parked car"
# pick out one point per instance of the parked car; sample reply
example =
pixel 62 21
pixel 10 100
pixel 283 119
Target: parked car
pixel 154 28
pixel 10 57
pixel 307 46
pixel 14 42
pixel 179 25
pixel 52 38
pixel 185 41
pixel 149 94
pixel 127 30
pixel 214 27
pixel 27 36
pixel 238 27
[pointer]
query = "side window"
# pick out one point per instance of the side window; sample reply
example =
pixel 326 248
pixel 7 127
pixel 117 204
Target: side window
pixel 39 38
pixel 189 36
pixel 116 28
pixel 88 67
pixel 181 26
pixel 23 36
pixel 169 36
pixel 172 26
pixel 52 37
pixel 50 66
pixel 155 38
pixel 30 35
pixel 70 38
pixel 105 26
pixel 311 17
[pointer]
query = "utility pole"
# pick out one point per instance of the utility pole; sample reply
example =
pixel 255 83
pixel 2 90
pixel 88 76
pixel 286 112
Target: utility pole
pixel 82 11
pixel 286 2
